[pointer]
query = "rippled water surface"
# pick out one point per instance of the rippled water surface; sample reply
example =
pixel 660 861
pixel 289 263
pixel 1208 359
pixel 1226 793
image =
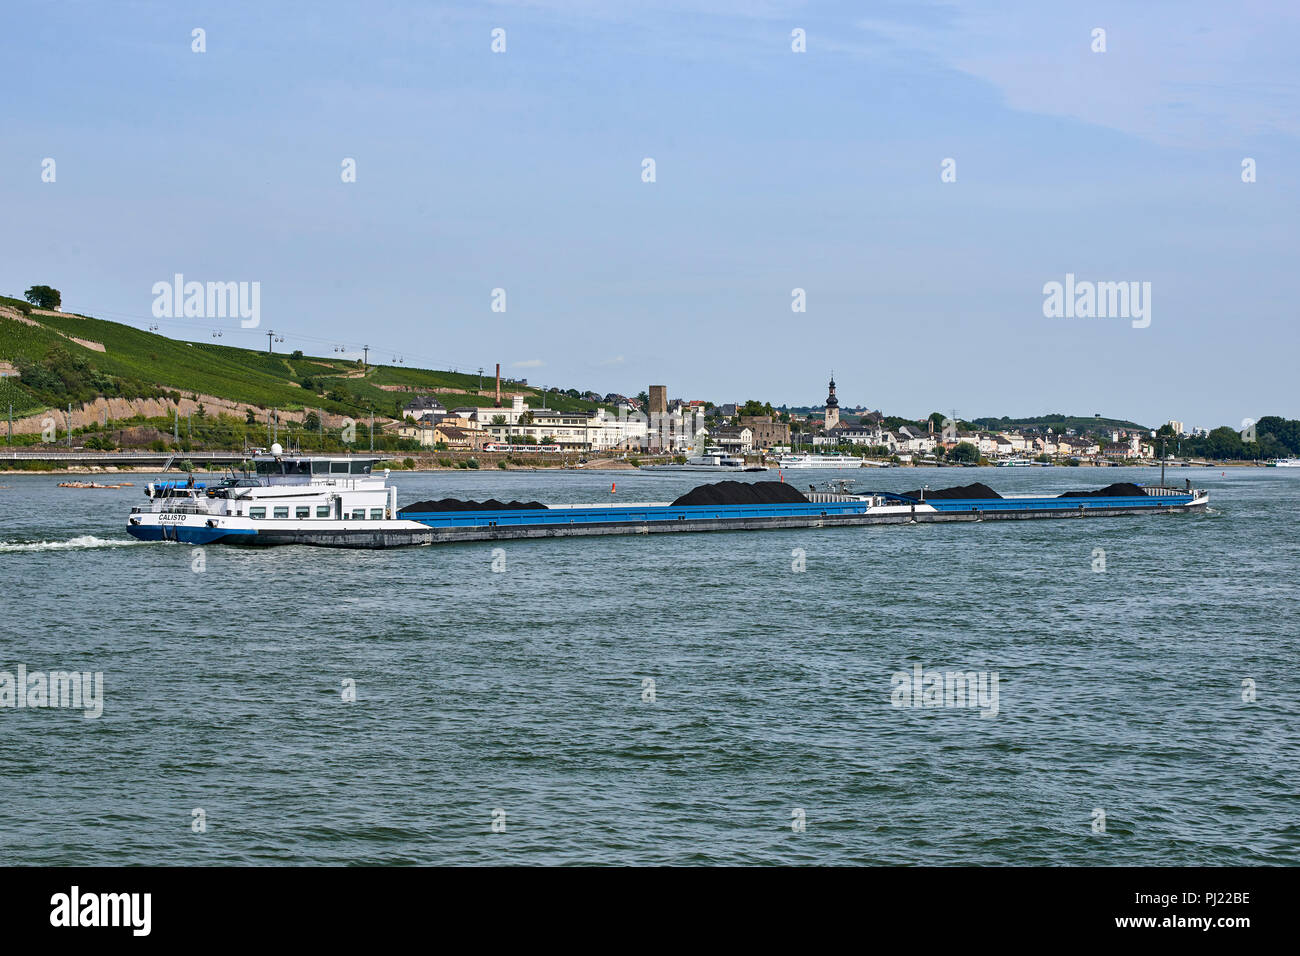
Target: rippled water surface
pixel 1119 691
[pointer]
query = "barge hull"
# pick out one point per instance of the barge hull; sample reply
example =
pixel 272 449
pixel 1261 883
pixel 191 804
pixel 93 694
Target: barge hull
pixel 451 535
pixel 197 530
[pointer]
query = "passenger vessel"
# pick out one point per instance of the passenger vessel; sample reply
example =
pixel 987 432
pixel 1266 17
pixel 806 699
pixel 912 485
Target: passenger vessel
pixel 713 459
pixel 819 461
pixel 1285 463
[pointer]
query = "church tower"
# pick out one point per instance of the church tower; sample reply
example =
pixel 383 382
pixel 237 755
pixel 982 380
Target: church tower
pixel 832 407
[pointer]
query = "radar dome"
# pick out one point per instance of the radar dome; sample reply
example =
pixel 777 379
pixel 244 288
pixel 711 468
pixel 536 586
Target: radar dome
pixel 277 449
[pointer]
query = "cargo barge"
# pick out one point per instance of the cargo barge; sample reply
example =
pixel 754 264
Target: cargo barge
pixel 338 502
pixel 816 510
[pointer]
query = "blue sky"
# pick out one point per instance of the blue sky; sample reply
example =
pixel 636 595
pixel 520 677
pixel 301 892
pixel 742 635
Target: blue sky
pixel 775 170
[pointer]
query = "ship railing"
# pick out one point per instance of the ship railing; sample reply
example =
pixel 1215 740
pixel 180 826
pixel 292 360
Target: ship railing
pixel 186 506
pixel 828 497
pixel 1160 491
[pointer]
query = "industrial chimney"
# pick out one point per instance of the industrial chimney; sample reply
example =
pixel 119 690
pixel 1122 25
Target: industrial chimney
pixel 498 404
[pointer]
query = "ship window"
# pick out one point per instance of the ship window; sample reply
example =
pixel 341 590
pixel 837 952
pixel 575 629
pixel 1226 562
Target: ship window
pixel 338 468
pixel 320 467
pixel 322 511
pixel 376 514
pixel 360 467
pixel 302 512
pixel 257 512
pixel 358 514
pixel 282 512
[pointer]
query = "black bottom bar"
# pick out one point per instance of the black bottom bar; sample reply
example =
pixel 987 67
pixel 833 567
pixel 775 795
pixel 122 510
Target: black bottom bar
pixel 928 906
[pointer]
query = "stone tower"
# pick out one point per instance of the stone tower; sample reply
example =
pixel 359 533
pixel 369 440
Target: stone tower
pixel 832 407
pixel 658 395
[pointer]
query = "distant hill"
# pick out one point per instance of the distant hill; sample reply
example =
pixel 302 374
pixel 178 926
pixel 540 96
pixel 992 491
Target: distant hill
pixel 1057 423
pixel 62 357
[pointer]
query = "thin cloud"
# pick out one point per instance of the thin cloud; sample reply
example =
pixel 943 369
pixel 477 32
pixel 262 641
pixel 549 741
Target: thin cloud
pixel 1186 74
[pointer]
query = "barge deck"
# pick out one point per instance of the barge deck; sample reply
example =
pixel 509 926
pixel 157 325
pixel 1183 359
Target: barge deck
pixel 563 521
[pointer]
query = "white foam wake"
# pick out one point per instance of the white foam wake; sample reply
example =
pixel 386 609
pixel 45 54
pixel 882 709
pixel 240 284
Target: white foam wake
pixel 73 544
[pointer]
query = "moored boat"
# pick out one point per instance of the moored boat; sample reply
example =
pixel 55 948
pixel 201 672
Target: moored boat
pixel 819 461
pixel 712 459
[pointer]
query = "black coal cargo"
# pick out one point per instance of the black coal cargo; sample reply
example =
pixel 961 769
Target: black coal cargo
pixel 742 493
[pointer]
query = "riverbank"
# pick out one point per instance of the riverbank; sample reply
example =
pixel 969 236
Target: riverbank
pixel 483 463
pixel 492 463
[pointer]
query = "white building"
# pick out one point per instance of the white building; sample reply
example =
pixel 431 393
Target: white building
pixel 735 440
pixel 595 430
pixel 423 405
pixel 915 440
pixel 509 416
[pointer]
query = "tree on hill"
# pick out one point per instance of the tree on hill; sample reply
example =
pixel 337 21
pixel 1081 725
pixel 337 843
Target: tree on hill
pixel 964 451
pixel 893 423
pixel 1222 443
pixel 754 407
pixel 43 297
pixel 1283 431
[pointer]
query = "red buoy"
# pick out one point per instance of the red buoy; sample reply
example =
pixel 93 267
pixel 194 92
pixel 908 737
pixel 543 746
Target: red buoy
pixel 612 486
